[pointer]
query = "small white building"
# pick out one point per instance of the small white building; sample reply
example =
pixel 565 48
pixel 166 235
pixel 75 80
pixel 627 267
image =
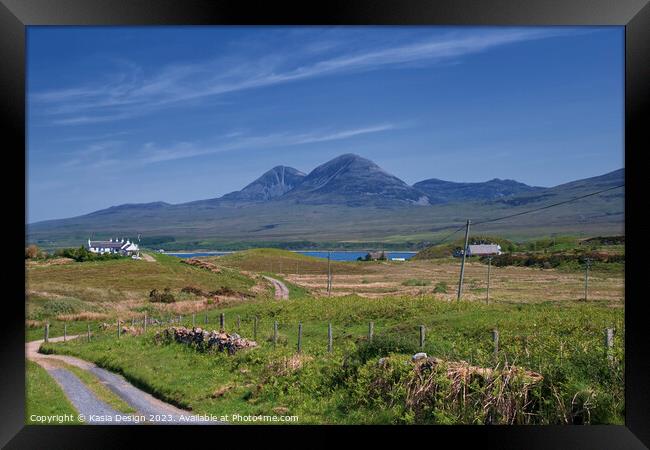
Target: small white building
pixel 113 246
pixel 483 249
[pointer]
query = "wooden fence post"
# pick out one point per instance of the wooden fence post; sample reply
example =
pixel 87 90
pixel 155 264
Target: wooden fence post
pixel 371 331
pixel 255 328
pixel 275 333
pixel 609 343
pixel 145 323
pixel 88 332
pixel 206 318
pixel 421 336
pixel 193 320
pixel 329 337
pixel 47 332
pixel 238 323
pixel 487 293
pixel 299 337
pixel 119 330
pixel 65 332
pixel 222 322
pixel 495 340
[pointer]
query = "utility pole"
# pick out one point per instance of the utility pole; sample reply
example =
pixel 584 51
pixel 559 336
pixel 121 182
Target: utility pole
pixel 487 297
pixel 587 264
pixel 462 264
pixel 329 274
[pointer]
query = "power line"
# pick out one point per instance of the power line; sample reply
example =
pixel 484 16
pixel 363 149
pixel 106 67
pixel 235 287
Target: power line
pixel 465 248
pixel 526 212
pixel 448 236
pixel 548 206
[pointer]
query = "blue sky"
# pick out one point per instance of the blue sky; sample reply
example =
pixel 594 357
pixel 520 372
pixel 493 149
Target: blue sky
pixel 139 114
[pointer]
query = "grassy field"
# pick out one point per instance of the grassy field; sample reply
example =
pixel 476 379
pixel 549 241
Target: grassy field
pixel 544 328
pixel 562 342
pixel 507 284
pixel 45 397
pixel 79 294
pixel 425 276
pixel 125 279
pixel 282 261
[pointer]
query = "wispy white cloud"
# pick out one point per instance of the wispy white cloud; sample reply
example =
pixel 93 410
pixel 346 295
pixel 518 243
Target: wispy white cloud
pixel 94 137
pixel 119 154
pixel 152 153
pixel 132 92
pixel 98 155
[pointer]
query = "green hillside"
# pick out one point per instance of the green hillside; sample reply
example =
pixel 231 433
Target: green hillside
pixel 212 225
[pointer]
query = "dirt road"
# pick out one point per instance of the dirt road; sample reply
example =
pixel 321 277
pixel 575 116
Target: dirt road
pixel 281 290
pixel 147 257
pixel 95 410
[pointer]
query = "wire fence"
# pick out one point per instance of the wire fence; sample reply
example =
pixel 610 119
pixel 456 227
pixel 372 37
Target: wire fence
pixel 533 348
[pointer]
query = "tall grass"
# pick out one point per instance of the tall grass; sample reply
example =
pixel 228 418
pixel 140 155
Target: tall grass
pixel 562 343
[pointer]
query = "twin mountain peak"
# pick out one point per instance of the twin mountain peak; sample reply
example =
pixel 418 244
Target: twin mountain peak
pixel 354 181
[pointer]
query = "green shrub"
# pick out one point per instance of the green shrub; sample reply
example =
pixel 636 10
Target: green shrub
pixel 33 252
pixel 416 282
pixel 52 308
pixel 82 254
pixel 563 260
pixel 166 296
pixel 441 287
pixel 380 346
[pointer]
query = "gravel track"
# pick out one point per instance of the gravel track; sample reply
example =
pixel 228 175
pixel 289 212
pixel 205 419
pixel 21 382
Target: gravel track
pixel 82 398
pixel 281 290
pixel 87 403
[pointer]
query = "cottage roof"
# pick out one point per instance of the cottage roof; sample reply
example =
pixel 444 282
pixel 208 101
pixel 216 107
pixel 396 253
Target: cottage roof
pixel 106 244
pixel 484 249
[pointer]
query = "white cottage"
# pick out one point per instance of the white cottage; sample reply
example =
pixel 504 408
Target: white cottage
pixel 113 246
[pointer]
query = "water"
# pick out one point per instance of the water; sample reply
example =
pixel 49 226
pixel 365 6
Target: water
pixel 335 256
pixel 353 256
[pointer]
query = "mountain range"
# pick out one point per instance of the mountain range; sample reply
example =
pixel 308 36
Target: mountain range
pixel 283 202
pixel 354 181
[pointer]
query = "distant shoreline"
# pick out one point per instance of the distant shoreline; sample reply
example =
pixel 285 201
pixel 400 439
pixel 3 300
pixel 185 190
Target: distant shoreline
pixel 188 252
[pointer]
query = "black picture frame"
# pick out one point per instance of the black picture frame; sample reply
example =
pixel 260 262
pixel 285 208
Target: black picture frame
pixel 15 15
